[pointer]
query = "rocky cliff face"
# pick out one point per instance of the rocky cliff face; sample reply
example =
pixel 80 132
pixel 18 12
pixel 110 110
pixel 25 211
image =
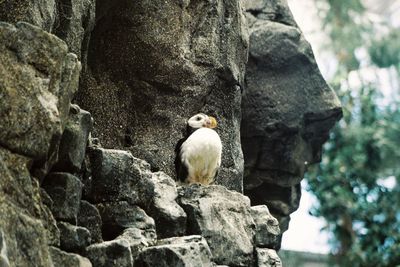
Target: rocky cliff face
pixel 140 69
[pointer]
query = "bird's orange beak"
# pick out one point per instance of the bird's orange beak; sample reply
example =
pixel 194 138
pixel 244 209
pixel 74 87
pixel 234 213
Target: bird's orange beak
pixel 212 123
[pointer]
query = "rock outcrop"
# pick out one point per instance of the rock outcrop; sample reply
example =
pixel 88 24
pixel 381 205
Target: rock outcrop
pixel 67 200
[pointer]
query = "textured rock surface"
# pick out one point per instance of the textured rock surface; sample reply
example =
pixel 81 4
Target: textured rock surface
pixel 89 217
pixel 288 109
pixel 37 79
pixel 73 141
pixel 73 238
pixel 267 258
pixel 115 253
pixel 177 251
pixel 223 218
pixel 267 228
pixel 63 259
pixel 153 64
pixel 24 238
pixel 65 190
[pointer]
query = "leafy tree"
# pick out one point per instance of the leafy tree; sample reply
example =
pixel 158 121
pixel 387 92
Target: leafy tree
pixel 362 213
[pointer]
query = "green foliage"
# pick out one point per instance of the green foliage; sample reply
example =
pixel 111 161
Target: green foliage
pixel 362 214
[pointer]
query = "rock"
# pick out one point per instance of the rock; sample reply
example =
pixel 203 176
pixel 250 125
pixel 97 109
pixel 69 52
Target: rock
pixel 117 175
pixel 114 176
pixel 34 77
pixel 267 228
pixel 286 117
pixel 119 216
pixel 223 218
pixel 23 237
pixel 138 239
pixel 41 13
pixel 89 217
pixel 267 258
pixel 65 190
pixel 64 259
pixel 73 141
pixel 4 262
pixel 152 64
pixel 73 238
pixel 169 216
pixel 76 20
pixel 187 251
pixel 281 201
pixel 115 253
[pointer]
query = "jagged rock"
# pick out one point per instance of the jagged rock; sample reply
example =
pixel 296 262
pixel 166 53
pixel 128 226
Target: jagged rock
pixel 4 262
pixel 41 13
pixel 119 216
pixel 267 227
pixel 72 147
pixel 38 79
pixel 169 216
pixel 267 258
pixel 65 190
pixel 138 239
pixel 89 217
pixel 63 259
pixel 223 218
pixel 76 19
pixel 115 253
pixel 49 223
pixel 286 117
pixel 73 238
pixel 184 251
pixel 114 177
pixel 24 238
pixel 117 175
pixel 181 58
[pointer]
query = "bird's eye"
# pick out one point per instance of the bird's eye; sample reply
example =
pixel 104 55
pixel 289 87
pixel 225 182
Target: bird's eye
pixel 198 118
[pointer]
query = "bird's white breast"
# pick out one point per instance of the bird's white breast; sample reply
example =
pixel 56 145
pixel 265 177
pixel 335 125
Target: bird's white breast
pixel 201 153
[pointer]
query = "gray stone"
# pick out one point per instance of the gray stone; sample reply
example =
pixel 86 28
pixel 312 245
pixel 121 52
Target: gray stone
pixel 187 251
pixel 155 63
pixel 41 13
pixel 114 176
pixel 73 238
pixel 267 258
pixel 34 89
pixel 139 239
pixel 115 253
pixel 117 175
pixel 76 20
pixel 89 217
pixel 119 216
pixel 4 262
pixel 65 190
pixel 24 239
pixel 223 218
pixel 286 117
pixel 72 147
pixel 63 259
pixel 267 228
pixel 169 216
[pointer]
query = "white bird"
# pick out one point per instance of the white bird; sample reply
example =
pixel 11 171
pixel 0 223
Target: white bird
pixel 200 154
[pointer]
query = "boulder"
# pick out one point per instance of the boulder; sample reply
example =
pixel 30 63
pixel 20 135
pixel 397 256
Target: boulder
pixel 73 238
pixel 267 228
pixel 72 147
pixel 65 190
pixel 63 259
pixel 223 218
pixel 267 258
pixel 184 251
pixel 288 108
pixel 115 253
pixel 89 217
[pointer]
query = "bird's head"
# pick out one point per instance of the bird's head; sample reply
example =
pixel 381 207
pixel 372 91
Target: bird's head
pixel 202 120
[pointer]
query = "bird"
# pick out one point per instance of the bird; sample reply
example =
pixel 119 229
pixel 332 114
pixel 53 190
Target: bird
pixel 199 155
